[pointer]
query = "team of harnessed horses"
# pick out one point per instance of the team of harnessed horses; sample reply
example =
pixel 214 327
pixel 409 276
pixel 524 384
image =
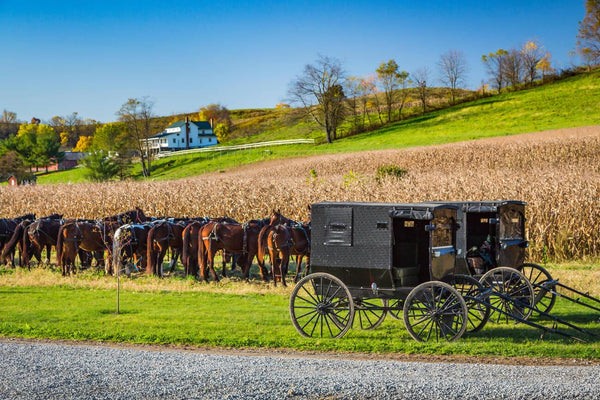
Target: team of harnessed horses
pixel 134 242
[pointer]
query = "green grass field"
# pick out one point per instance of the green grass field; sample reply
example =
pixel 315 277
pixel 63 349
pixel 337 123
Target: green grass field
pixel 236 314
pixel 572 102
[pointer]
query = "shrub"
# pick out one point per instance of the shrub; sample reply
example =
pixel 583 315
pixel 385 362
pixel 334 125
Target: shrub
pixel 390 170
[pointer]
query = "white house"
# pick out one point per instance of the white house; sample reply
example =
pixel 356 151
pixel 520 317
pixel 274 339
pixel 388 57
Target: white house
pixel 183 135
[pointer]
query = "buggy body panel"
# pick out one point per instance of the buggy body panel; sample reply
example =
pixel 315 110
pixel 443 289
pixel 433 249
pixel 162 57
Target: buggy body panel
pixel 383 249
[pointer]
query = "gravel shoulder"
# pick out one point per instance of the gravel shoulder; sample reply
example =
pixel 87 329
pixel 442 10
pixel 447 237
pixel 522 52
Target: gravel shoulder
pixel 50 370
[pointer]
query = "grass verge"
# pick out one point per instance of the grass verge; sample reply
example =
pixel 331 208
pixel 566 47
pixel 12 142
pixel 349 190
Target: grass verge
pixel 41 304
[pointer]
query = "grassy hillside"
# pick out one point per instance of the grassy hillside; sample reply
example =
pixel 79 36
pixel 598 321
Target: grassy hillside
pixel 571 102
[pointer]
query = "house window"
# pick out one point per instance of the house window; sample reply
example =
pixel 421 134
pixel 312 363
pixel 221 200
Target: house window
pixel 174 140
pixel 182 140
pixel 191 140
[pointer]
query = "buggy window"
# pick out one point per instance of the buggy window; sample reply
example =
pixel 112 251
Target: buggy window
pixel 511 225
pixel 443 232
pixel 338 228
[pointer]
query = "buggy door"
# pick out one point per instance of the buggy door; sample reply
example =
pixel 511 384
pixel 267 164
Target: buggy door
pixel 511 235
pixel 443 253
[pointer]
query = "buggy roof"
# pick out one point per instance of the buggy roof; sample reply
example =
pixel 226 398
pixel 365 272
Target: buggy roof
pixel 422 211
pixel 481 206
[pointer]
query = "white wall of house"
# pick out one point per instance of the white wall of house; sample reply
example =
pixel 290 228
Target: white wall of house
pixel 174 139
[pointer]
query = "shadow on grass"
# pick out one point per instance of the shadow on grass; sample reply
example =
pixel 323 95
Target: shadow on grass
pixel 113 311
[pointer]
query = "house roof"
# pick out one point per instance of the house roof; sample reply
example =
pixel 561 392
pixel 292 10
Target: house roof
pixel 199 124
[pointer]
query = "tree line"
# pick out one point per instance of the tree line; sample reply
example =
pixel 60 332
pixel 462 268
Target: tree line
pixel 112 147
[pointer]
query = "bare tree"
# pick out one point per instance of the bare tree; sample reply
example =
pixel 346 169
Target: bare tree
pixel 588 38
pixel 453 71
pixel 368 89
pixel 420 79
pixel 8 117
pixel 494 63
pixel 403 92
pixel 137 115
pixel 532 53
pixel 513 67
pixel 353 92
pixel 319 89
pixel 9 125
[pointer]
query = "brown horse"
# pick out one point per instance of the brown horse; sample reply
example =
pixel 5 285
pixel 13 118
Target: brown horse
pixel 40 234
pixel 7 229
pixel 129 245
pixel 189 253
pixel 270 223
pixel 279 242
pixel 236 239
pixel 16 242
pixel 162 236
pixel 87 236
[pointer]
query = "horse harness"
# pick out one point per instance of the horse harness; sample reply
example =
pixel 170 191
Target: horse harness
pixel 289 243
pixel 214 236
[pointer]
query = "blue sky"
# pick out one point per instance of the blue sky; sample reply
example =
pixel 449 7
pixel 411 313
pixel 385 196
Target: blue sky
pixel 89 57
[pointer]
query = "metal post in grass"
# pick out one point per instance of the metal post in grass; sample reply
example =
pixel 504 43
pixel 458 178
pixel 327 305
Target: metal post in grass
pixel 118 287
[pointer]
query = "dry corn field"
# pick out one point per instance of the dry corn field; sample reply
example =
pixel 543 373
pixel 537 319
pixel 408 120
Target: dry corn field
pixel 556 172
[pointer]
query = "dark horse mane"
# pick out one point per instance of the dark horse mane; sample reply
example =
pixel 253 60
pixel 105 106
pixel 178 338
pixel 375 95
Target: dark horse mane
pixel 131 216
pixel 30 216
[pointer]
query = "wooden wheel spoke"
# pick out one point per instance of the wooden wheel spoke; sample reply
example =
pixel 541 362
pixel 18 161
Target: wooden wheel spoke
pixel 305 314
pixel 315 299
pixel 308 322
pixel 429 322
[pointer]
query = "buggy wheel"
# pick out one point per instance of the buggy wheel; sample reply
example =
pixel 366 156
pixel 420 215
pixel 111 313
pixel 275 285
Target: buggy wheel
pixel 477 303
pixel 512 295
pixel 321 306
pixel 369 313
pixel 395 308
pixel 435 310
pixel 541 280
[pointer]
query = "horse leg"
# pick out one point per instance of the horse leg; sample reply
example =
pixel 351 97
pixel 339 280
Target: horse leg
pixel 224 264
pixel 264 273
pixel 285 262
pixel 174 257
pixel 249 257
pixel 298 267
pixel 212 268
pixel 160 257
pixel 48 252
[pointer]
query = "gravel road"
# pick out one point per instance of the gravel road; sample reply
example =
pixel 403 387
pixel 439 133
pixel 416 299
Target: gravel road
pixel 61 371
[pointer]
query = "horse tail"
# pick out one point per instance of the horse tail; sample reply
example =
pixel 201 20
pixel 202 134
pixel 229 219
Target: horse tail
pixel 25 247
pixel 9 246
pixel 59 245
pixel 263 237
pixel 202 253
pixel 150 253
pixel 185 252
pixel 12 243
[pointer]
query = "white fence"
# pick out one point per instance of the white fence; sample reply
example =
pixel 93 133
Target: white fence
pixel 233 148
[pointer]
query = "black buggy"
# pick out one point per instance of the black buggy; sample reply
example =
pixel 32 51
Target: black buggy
pixel 364 255
pixel 416 260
